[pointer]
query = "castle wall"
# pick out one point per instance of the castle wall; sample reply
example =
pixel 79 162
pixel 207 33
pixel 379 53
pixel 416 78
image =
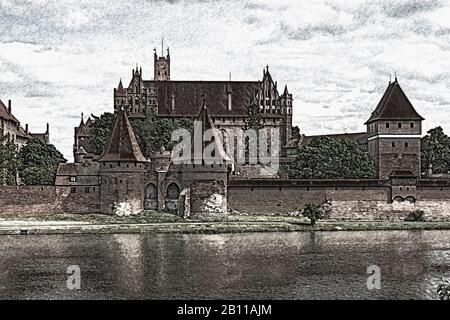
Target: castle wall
pixel 25 200
pixel 347 200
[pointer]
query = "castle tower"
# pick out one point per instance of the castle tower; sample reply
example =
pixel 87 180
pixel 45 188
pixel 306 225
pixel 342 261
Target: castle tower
pixel 286 111
pixel 161 66
pixel 122 168
pixel 206 177
pixel 394 132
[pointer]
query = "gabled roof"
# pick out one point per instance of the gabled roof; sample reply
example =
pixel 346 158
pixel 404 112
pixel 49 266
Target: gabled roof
pixel 187 96
pixel 122 144
pixel 4 114
pixel 394 105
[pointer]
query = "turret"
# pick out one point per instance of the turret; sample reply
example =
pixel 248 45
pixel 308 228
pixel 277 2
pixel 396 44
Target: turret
pixel 122 168
pixel 394 131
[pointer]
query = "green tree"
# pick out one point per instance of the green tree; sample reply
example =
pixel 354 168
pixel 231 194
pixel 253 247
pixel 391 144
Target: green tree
pixel 101 129
pixel 443 289
pixel 325 158
pixel 435 150
pixel 313 212
pixel 39 162
pixel 296 133
pixel 9 162
pixel 152 132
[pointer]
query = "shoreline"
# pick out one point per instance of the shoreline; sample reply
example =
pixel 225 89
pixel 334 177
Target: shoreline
pixel 32 228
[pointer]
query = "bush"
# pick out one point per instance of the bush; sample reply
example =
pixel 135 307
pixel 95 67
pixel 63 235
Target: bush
pixel 313 212
pixel 417 216
pixel 443 290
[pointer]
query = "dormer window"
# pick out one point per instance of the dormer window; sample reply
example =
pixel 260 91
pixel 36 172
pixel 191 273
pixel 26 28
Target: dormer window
pixel 73 179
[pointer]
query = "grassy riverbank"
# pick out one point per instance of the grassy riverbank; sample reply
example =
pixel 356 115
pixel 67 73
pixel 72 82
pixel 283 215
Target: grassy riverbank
pixel 158 222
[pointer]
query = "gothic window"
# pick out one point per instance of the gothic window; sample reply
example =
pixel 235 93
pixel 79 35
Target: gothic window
pixel 173 191
pixel 387 125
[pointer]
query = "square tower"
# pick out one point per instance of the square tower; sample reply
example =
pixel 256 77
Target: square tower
pixel 394 132
pixel 161 66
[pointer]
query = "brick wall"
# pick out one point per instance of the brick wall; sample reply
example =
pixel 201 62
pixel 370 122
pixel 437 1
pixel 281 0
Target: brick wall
pixel 349 200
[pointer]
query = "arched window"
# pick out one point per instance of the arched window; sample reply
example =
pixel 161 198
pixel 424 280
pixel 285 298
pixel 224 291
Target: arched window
pixel 173 191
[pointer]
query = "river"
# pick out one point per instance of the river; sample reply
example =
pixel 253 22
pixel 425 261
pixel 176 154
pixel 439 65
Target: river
pixel 303 265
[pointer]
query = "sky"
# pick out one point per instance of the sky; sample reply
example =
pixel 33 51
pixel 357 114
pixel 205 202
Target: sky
pixel 61 58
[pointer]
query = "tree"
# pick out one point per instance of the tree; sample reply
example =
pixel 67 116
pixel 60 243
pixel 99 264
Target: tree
pixel 9 162
pixel 39 162
pixel 325 158
pixel 296 133
pixel 152 132
pixel 101 130
pixel 443 290
pixel 313 212
pixel 435 150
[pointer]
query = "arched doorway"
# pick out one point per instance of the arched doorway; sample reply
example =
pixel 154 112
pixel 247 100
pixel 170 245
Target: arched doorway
pixel 172 195
pixel 151 197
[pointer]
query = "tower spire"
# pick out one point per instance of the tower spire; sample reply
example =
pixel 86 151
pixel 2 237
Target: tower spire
pixel 162 46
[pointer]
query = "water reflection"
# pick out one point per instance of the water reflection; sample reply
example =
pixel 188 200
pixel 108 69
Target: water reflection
pixel 308 265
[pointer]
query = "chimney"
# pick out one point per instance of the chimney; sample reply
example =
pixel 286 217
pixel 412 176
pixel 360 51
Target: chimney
pixel 9 107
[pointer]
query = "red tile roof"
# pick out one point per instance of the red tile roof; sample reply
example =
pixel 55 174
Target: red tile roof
pixel 187 96
pixel 122 144
pixel 394 105
pixel 5 114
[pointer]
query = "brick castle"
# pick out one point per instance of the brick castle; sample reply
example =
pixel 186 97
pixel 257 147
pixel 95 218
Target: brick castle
pixel 123 181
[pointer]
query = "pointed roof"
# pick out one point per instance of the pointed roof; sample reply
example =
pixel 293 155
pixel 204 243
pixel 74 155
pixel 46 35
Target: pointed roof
pixel 120 84
pixel 394 105
pixel 4 113
pixel 286 92
pixel 206 124
pixel 82 131
pixel 122 144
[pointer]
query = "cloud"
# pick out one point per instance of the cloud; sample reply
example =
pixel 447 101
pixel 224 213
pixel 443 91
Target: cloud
pixel 61 58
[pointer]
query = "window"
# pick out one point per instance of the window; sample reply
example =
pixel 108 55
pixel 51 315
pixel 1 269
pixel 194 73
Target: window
pixel 73 179
pixel 73 190
pixel 393 144
pixel 86 190
pixel 406 144
pixel 387 125
pixel 411 125
pixel 399 125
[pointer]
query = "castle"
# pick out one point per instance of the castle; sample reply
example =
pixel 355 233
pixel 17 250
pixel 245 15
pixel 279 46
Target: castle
pixel 11 128
pixel 122 181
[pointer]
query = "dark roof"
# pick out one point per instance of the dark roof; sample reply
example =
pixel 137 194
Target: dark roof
pixel 5 114
pixel 402 173
pixel 74 169
pixel 394 105
pixel 122 144
pixel 43 137
pixel 360 137
pixel 188 96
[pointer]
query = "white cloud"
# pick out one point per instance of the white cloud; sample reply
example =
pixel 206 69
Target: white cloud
pixel 61 58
